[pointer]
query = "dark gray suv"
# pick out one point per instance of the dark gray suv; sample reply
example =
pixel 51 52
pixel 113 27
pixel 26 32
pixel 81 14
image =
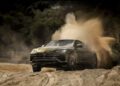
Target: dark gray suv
pixel 63 55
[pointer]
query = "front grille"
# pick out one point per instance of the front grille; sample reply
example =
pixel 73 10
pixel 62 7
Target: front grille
pixel 44 55
pixel 47 58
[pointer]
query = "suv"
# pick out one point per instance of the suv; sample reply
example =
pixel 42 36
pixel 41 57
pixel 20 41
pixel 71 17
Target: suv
pixel 63 55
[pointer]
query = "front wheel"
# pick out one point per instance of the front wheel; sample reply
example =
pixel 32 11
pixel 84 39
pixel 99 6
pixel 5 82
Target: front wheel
pixel 36 67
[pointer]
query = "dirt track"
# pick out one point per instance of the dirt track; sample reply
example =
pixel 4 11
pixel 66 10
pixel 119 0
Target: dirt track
pixel 15 75
pixel 8 67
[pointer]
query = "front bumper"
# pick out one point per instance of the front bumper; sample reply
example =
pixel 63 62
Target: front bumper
pixel 55 61
pixel 59 62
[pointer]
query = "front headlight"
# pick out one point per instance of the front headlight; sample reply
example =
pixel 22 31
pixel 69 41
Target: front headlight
pixel 33 51
pixel 63 51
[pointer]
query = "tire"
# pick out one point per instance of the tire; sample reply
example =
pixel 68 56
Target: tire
pixel 36 67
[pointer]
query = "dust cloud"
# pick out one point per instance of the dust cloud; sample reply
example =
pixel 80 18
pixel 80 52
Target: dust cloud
pixel 91 33
pixel 13 49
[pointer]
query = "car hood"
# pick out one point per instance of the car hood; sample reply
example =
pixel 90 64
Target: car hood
pixel 49 49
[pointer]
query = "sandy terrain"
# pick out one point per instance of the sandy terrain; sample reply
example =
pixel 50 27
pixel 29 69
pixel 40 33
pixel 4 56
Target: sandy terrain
pixel 9 67
pixel 22 75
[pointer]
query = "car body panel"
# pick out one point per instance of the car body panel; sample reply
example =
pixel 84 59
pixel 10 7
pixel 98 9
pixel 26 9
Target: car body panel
pixel 71 56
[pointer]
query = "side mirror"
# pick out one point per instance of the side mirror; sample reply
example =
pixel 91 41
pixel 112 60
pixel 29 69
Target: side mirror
pixel 79 45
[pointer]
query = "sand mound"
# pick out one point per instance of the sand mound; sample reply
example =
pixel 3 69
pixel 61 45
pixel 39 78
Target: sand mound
pixel 87 77
pixel 8 67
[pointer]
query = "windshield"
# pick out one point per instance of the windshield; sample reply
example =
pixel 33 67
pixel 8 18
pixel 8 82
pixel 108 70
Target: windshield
pixel 57 43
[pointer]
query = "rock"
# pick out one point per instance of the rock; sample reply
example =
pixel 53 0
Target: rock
pixel 47 69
